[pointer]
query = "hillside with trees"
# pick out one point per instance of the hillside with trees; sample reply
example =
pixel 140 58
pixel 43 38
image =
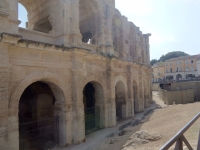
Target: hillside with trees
pixel 169 56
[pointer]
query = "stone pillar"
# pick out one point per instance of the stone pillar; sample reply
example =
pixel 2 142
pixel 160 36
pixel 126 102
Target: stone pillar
pixel 75 35
pixel 77 96
pixel 138 46
pixel 9 16
pixel 147 48
pixel 140 91
pixel 109 10
pixel 8 116
pixel 111 95
pixel 5 137
pixel 130 93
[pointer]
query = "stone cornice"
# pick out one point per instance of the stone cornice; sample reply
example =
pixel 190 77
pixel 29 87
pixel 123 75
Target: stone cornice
pixel 18 39
pixel 10 38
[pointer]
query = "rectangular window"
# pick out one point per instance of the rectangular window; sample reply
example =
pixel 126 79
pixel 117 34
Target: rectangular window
pixel 191 68
pixel 170 69
pixel 179 62
pixel 166 70
pixel 176 69
pixel 187 68
pixel 170 64
pixel 192 61
pixel 180 69
pixel 166 64
pixel 186 61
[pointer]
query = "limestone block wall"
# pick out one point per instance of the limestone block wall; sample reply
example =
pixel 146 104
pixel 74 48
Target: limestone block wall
pixel 58 57
pixel 66 71
pixel 133 43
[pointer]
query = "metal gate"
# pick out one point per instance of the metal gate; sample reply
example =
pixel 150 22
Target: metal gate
pixel 39 135
pixel 92 119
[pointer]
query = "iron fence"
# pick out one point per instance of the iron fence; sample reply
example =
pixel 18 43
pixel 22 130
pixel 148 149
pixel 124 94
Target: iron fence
pixel 92 119
pixel 39 135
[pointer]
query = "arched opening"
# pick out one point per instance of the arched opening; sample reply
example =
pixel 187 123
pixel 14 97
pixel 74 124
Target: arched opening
pixel 120 101
pixel 40 120
pixel 93 100
pixel 33 17
pixel 22 16
pixel 135 96
pixel 145 94
pixel 89 22
pixel 178 77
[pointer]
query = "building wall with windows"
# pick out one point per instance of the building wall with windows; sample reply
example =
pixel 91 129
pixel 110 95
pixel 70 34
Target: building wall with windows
pixel 181 68
pixel 158 72
pixel 198 66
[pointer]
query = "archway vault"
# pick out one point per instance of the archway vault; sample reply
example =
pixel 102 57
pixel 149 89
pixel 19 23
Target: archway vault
pixel 94 104
pixel 51 79
pixel 90 21
pixel 61 96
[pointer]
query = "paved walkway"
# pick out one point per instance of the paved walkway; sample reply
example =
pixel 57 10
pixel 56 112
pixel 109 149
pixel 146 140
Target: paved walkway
pixel 93 139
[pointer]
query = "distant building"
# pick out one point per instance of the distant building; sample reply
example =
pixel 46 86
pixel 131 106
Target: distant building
pixel 198 66
pixel 182 68
pixel 158 72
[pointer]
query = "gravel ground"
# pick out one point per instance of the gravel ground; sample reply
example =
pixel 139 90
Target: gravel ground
pixel 166 121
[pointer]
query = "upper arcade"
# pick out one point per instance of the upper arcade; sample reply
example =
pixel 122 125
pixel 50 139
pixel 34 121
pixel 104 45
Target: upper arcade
pixel 94 25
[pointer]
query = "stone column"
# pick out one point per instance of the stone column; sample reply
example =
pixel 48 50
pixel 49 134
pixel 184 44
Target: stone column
pixel 109 10
pixel 130 93
pixel 111 94
pixel 75 35
pixel 9 16
pixel 147 48
pixel 77 96
pixel 141 90
pixel 5 136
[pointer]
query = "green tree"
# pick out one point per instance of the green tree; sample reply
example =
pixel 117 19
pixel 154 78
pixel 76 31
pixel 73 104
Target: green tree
pixel 153 61
pixel 169 55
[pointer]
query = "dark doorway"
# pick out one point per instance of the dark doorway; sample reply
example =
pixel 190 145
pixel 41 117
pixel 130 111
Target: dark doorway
pixel 92 112
pixel 120 101
pixel 135 97
pixel 38 127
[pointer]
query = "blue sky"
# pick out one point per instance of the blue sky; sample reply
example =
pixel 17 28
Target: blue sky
pixel 174 24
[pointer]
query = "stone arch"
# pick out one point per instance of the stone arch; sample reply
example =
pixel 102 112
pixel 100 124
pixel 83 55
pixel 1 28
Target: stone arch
pixel 40 15
pixel 99 96
pixel 121 78
pixel 60 95
pixel 90 21
pixel 21 13
pixel 121 97
pixel 178 77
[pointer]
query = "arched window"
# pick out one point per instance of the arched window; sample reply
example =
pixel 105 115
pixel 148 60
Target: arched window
pixel 22 16
pixel 35 15
pixel 89 21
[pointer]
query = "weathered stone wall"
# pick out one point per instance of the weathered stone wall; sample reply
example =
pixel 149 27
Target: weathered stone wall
pixel 119 52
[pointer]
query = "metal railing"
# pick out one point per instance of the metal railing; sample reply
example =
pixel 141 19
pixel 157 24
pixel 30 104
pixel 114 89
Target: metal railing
pixel 40 135
pixel 92 119
pixel 179 138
